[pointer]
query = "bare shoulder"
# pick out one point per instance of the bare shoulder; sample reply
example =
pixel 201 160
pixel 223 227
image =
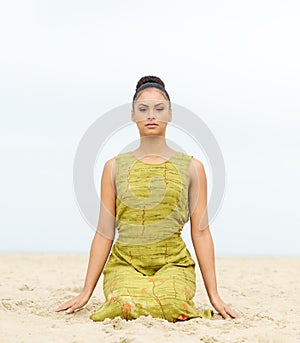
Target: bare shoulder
pixel 109 170
pixel 196 171
pixel 197 163
pixel 109 164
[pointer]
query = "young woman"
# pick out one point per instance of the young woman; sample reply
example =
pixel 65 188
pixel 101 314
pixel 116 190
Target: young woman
pixel 148 195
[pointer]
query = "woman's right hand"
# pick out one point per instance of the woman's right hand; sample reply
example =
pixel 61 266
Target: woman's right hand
pixel 101 244
pixel 74 304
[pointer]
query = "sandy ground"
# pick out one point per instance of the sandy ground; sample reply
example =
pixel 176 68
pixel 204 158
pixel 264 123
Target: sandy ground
pixel 264 290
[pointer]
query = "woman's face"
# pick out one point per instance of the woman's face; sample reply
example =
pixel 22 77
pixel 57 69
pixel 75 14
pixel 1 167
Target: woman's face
pixel 151 107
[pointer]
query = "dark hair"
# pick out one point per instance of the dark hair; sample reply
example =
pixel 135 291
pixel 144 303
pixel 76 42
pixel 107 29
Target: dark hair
pixel 147 82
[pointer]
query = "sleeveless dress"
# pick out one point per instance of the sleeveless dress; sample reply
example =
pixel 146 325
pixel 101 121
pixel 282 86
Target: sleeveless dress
pixel 150 270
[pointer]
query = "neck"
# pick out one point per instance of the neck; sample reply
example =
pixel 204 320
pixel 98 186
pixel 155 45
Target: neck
pixel 153 145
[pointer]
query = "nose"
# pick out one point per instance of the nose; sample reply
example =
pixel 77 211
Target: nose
pixel 151 113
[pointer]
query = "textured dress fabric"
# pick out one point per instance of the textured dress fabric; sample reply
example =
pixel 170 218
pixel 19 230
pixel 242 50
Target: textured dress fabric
pixel 150 271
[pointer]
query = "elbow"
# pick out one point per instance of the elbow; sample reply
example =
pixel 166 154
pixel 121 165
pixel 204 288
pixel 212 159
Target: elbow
pixel 199 233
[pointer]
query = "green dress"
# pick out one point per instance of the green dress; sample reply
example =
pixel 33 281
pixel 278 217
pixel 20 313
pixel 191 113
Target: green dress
pixel 150 270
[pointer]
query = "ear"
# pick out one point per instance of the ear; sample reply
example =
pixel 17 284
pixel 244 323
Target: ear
pixel 132 115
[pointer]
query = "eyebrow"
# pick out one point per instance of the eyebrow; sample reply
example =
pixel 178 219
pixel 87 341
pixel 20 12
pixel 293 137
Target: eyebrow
pixel 142 104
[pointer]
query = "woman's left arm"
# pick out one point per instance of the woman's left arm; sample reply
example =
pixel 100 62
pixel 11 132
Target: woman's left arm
pixel 201 236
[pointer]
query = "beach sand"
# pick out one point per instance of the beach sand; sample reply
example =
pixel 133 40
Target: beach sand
pixel 264 290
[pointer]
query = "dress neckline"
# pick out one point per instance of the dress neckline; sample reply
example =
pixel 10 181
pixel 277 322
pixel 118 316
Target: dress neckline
pixel 154 164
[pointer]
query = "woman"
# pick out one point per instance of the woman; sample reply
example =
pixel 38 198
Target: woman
pixel 149 194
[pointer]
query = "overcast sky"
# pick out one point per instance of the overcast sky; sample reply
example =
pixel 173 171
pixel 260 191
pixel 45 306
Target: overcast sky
pixel 63 64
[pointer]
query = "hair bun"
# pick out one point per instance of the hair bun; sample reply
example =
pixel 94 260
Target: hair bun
pixel 146 79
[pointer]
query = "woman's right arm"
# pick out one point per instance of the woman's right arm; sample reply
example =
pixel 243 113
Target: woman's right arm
pixel 102 241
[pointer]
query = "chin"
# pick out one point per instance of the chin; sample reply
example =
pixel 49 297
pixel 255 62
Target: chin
pixel 157 133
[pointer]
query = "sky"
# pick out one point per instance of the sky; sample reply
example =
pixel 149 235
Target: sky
pixel 63 64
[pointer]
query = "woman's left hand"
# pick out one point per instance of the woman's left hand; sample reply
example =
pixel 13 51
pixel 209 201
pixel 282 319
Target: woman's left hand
pixel 222 308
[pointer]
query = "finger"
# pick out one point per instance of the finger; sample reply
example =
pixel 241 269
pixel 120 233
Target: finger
pixel 73 308
pixel 233 314
pixel 230 312
pixel 224 314
pixel 60 308
pixel 63 306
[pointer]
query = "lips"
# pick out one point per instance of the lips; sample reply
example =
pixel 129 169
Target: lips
pixel 152 124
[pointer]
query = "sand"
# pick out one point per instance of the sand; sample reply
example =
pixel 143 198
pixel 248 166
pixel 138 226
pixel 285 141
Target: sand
pixel 264 290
